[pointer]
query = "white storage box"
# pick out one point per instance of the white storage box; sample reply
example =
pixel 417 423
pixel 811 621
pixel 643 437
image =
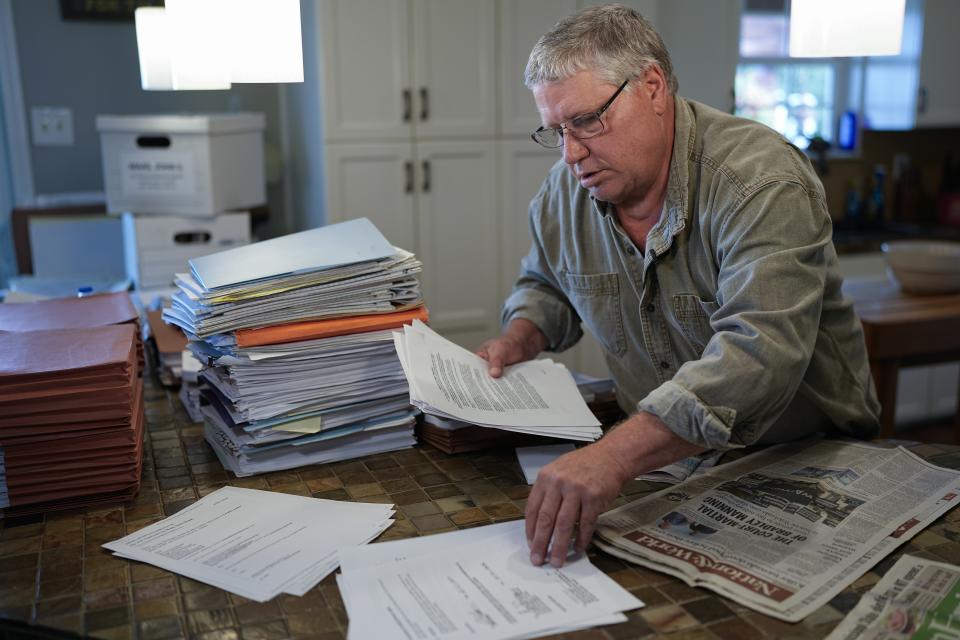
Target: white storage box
pixel 182 164
pixel 157 247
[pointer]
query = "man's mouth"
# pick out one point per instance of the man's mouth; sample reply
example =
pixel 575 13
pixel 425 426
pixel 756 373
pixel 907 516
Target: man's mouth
pixel 589 178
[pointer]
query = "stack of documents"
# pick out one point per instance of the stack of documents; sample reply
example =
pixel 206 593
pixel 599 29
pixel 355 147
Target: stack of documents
pixel 345 269
pixel 294 335
pixel 71 417
pixel 256 544
pixel 99 310
pixel 440 587
pixel 538 397
pixel 166 345
pixel 459 436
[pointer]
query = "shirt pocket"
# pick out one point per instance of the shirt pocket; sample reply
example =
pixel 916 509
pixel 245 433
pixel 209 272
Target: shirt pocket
pixel 596 297
pixel 693 316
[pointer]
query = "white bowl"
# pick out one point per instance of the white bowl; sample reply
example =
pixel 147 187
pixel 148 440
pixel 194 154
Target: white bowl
pixel 923 266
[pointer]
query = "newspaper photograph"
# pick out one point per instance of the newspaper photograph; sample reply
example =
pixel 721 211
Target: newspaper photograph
pixel 916 598
pixel 784 530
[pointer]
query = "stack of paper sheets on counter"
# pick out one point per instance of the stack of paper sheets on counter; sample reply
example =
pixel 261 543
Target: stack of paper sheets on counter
pixel 71 417
pixel 256 544
pixel 439 586
pixel 295 337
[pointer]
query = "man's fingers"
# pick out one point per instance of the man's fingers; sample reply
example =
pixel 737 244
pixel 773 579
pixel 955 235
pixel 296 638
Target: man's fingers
pixel 545 518
pixel 534 500
pixel 588 524
pixel 563 529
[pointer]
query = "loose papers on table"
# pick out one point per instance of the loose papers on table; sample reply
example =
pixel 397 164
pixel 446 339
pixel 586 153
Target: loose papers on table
pixel 299 362
pixel 538 397
pixel 256 544
pixel 440 587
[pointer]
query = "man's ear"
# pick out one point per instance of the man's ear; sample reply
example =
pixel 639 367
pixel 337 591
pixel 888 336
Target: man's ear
pixel 654 83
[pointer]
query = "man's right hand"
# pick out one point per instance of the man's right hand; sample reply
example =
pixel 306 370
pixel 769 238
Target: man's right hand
pixel 522 340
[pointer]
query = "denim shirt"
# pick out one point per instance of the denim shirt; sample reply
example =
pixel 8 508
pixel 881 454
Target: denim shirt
pixel 731 326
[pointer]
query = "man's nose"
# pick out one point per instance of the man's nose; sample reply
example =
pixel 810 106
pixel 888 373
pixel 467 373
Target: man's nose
pixel 573 150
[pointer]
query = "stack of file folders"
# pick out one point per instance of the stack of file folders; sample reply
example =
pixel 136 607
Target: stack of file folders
pixel 295 335
pixel 71 418
pixel 99 310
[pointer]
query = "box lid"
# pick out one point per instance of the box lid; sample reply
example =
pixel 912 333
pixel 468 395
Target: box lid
pixel 206 123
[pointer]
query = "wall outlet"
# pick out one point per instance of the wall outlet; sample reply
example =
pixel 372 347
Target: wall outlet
pixel 52 126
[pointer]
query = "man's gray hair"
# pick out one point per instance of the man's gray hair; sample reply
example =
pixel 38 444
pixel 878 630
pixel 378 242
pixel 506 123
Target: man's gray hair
pixel 612 39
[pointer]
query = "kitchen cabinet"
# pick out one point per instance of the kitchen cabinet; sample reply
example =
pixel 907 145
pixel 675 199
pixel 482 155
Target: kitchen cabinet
pixel 432 198
pixel 938 102
pixel 394 69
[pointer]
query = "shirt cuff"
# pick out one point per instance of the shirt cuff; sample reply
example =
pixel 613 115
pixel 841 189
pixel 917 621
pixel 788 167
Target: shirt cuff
pixel 552 316
pixel 686 416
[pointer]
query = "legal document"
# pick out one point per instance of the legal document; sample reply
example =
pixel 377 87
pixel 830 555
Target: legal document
pixel 538 397
pixel 256 544
pixel 532 459
pixel 442 586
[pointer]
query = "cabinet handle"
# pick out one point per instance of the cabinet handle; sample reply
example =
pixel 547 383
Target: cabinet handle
pixel 922 100
pixel 407 105
pixel 426 175
pixel 424 104
pixel 408 182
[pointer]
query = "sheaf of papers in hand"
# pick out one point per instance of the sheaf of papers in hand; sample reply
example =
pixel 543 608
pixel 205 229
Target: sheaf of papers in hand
pixel 538 397
pixel 440 587
pixel 256 544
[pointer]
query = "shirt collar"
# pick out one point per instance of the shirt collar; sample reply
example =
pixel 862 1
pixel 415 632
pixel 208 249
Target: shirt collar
pixel 673 217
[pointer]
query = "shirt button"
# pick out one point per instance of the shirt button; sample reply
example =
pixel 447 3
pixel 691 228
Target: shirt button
pixel 651 308
pixel 664 364
pixel 631 251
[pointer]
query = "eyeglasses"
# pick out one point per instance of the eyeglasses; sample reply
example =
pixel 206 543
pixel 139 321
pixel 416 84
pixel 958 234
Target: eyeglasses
pixel 582 127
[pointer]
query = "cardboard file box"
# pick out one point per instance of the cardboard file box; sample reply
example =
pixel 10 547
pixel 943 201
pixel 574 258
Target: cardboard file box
pixel 157 247
pixel 182 164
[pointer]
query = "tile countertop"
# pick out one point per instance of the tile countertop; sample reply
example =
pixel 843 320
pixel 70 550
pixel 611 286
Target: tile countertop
pixel 53 571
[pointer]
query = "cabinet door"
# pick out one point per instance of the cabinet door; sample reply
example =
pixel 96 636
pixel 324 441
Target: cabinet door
pixel 523 168
pixel 522 22
pixel 455 92
pixel 939 100
pixel 366 69
pixel 458 238
pixel 375 181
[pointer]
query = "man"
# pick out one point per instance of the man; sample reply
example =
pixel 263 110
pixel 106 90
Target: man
pixel 696 247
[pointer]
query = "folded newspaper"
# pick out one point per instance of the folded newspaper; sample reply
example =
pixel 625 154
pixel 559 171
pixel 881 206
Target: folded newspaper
pixel 917 598
pixel 784 530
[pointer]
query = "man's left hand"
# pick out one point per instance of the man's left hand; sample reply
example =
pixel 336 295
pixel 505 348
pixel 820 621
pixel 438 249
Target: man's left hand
pixel 572 491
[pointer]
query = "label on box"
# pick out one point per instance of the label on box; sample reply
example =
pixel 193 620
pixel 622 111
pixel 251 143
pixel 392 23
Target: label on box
pixel 151 173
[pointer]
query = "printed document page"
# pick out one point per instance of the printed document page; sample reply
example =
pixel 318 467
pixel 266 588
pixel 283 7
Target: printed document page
pixel 447 379
pixel 463 594
pixel 255 543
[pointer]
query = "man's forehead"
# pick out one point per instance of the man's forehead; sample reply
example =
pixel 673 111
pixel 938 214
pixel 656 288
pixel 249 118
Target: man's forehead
pixel 564 99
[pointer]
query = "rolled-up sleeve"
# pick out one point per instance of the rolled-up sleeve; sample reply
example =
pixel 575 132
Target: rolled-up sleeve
pixel 771 253
pixel 537 295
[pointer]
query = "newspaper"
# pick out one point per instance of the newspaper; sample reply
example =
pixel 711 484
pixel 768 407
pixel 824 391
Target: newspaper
pixel 683 469
pixel 917 598
pixel 784 530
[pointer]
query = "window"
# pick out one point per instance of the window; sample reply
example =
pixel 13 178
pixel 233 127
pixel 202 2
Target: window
pixel 803 98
